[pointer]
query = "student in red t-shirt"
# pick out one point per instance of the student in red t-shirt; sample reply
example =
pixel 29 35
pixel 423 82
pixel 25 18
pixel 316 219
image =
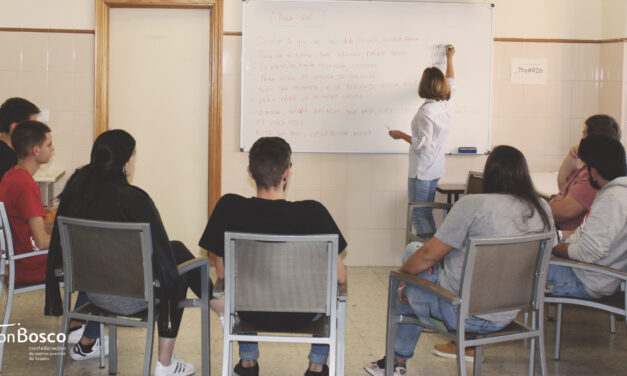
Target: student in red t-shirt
pixel 32 142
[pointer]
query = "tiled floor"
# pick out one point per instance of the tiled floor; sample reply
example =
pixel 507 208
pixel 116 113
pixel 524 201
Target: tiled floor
pixel 587 346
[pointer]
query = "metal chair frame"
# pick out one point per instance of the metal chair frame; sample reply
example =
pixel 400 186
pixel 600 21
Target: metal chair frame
pixel 335 301
pixel 146 319
pixel 7 261
pixel 409 235
pixel 514 331
pixel 611 304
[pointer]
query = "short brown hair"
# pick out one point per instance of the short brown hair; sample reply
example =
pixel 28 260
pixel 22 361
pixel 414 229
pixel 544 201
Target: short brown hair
pixel 433 85
pixel 268 159
pixel 603 124
pixel 27 134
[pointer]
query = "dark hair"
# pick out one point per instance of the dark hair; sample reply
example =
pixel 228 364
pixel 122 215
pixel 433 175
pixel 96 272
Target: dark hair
pixel 433 85
pixel 268 159
pixel 603 124
pixel 605 154
pixel 27 134
pixel 14 110
pixel 110 152
pixel 506 172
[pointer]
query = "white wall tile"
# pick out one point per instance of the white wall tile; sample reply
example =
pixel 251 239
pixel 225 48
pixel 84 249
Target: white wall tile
pixel 60 52
pixel 11 47
pixel 34 52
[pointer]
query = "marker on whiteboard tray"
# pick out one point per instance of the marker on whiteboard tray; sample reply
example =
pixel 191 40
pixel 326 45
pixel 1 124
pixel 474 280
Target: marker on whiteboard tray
pixel 467 150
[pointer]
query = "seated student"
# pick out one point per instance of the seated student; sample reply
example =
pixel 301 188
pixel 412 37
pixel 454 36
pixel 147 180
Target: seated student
pixel 509 206
pixel 101 191
pixel 19 192
pixel 12 111
pixel 602 239
pixel 269 213
pixel 572 203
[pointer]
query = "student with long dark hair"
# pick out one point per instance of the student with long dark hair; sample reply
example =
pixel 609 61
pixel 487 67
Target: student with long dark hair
pixel 509 207
pixel 101 191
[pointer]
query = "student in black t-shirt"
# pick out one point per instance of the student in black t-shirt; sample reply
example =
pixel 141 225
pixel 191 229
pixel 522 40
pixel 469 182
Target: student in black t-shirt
pixel 12 111
pixel 269 213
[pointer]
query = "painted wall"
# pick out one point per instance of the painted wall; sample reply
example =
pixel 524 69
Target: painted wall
pixel 366 193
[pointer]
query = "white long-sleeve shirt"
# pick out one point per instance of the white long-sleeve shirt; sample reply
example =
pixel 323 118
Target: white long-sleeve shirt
pixel 602 239
pixel 429 130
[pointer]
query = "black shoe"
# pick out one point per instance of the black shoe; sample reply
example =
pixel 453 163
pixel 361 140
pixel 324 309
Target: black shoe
pixel 246 371
pixel 324 372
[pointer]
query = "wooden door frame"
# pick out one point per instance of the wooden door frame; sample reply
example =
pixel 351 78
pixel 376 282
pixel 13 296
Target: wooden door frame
pixel 101 111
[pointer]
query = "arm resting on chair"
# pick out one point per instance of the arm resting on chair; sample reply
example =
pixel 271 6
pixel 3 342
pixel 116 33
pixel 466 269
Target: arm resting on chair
pixel 426 285
pixel 589 267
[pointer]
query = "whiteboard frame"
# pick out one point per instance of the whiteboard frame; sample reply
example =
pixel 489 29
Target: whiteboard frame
pixel 244 148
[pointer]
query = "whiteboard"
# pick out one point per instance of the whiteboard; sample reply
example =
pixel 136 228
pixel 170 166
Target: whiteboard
pixel 331 76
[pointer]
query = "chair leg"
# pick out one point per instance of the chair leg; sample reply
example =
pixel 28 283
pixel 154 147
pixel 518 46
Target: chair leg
pixel 341 335
pixel 478 360
pixel 541 348
pixel 150 332
pixel 558 329
pixel 65 325
pixel 525 321
pixel 7 314
pixel 227 346
pixel 532 347
pixel 102 346
pixel 542 354
pixel 390 331
pixel 612 323
pixel 204 321
pixel 113 349
pixel 461 360
pixel 205 345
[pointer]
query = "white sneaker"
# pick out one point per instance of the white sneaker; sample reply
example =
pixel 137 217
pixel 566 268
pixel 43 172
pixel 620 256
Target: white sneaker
pixel 79 353
pixel 177 367
pixel 76 335
pixel 378 368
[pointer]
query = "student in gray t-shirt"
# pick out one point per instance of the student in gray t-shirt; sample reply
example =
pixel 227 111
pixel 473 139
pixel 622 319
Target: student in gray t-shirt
pixel 508 207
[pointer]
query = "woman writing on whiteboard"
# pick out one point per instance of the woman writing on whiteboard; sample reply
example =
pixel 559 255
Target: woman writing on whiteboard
pixel 429 130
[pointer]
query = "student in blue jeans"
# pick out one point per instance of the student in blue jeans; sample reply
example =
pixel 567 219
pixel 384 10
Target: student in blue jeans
pixel 509 207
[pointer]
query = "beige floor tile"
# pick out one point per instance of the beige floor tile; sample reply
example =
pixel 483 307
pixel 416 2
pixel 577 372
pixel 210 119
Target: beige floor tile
pixel 587 346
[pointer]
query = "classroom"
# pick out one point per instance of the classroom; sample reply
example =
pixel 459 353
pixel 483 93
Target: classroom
pixel 182 103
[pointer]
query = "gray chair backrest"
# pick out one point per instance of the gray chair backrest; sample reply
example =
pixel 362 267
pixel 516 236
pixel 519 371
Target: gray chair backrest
pixel 474 183
pixel 277 273
pixel 6 238
pixel 505 274
pixel 107 257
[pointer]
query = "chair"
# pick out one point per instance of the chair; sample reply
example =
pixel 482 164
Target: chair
pixel 116 258
pixel 474 183
pixel 283 273
pixel 615 304
pixel 513 271
pixel 7 261
pixel 410 235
